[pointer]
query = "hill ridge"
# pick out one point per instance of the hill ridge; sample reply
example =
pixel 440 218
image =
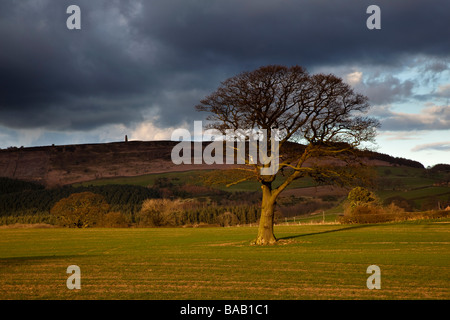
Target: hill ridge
pixel 58 165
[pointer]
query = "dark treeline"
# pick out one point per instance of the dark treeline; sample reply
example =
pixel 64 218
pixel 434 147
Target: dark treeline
pixel 8 185
pixel 244 214
pixel 394 160
pixel 194 213
pixel 440 168
pixel 24 198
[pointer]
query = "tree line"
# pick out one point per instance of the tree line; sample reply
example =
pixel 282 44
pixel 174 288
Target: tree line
pixel 28 198
pixel 28 202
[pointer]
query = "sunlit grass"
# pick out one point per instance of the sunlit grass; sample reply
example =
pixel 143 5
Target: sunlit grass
pixel 309 262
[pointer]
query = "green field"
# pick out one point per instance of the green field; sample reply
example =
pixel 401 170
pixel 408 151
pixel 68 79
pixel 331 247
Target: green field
pixel 309 262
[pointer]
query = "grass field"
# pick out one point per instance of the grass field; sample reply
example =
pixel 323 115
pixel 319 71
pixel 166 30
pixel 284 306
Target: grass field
pixel 310 262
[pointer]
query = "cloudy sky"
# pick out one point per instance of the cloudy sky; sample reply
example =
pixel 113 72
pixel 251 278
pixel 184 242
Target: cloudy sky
pixel 139 67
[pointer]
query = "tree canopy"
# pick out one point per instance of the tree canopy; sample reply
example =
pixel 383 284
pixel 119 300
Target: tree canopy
pixel 81 210
pixel 319 122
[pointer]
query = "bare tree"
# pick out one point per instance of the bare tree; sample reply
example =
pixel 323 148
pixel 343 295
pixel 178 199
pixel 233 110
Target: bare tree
pixel 318 118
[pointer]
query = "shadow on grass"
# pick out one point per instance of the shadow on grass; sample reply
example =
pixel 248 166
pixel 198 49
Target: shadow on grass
pixel 327 231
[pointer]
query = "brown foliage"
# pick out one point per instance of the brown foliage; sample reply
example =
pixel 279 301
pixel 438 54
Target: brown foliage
pixel 390 213
pixel 159 212
pixel 80 210
pixel 227 219
pixel 114 220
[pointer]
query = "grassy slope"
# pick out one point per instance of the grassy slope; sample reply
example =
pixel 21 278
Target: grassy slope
pixel 187 177
pixel 416 185
pixel 311 262
pixel 413 180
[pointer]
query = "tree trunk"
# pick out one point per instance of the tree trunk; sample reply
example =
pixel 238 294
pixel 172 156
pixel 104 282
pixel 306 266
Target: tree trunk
pixel 265 230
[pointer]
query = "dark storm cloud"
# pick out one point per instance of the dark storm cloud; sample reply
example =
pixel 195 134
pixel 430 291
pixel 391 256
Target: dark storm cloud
pixel 59 79
pixel 386 90
pixel 132 57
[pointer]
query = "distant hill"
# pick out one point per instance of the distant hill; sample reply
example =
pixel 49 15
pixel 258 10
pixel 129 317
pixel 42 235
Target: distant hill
pixel 68 164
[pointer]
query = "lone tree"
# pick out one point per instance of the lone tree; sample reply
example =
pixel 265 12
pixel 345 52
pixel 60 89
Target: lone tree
pixel 81 210
pixel 320 123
